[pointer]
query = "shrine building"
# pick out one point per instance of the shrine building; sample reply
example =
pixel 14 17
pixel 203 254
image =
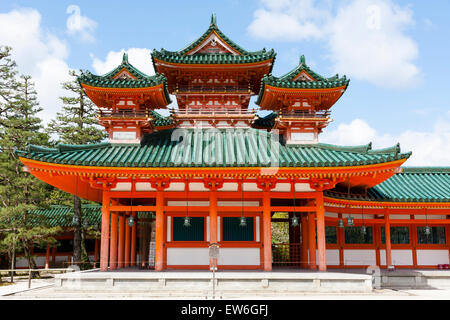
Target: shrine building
pixel 215 171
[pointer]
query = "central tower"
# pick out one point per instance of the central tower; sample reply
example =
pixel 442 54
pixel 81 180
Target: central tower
pixel 213 80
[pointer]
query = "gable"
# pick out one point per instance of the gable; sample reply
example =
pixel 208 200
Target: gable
pixel 124 75
pixel 303 76
pixel 213 44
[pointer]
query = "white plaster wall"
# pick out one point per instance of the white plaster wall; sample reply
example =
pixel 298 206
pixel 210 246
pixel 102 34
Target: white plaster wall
pixel 399 217
pixel 399 257
pixel 229 186
pixel 237 203
pixel 258 236
pixel 250 187
pixel 144 186
pixel 282 187
pixel 190 203
pixel 359 257
pixel 332 256
pixel 303 187
pixel 429 217
pixel 176 186
pixel 218 229
pixel 239 256
pixel 187 256
pixel 169 228
pixel 432 257
pixel 197 186
pixel 122 186
pixel 331 214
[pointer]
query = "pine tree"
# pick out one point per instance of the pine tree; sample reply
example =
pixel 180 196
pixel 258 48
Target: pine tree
pixel 20 192
pixel 77 124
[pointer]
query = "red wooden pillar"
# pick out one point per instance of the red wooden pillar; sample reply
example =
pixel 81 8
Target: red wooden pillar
pixel 104 251
pixel 47 257
pixel 127 244
pixel 213 216
pixel 341 242
pixel 387 230
pixel 212 220
pixel 321 241
pixel 159 234
pixel 304 245
pixel 113 246
pixel 121 255
pixel 133 241
pixel 267 217
pixel 312 240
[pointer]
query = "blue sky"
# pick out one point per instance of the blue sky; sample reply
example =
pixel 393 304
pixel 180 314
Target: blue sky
pixel 394 52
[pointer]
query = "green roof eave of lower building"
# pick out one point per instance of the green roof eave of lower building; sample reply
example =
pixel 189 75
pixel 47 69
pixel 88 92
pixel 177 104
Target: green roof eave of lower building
pixel 211 148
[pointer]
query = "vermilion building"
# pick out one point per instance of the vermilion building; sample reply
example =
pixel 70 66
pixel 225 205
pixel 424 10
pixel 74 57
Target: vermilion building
pixel 216 172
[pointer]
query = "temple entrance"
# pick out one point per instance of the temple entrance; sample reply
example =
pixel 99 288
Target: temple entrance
pixel 286 241
pixel 146 240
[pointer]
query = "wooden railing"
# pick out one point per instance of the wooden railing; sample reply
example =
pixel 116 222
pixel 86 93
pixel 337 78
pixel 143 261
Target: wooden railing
pixel 305 114
pixel 125 114
pixel 211 88
pixel 213 111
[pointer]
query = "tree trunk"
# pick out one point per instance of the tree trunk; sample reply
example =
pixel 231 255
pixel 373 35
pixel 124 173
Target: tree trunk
pixel 77 230
pixel 31 263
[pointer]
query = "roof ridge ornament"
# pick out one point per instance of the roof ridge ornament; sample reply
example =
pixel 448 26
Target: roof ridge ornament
pixel 213 20
pixel 302 59
pixel 125 58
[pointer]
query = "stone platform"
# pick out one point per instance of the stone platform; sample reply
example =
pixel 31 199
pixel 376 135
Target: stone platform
pixel 195 283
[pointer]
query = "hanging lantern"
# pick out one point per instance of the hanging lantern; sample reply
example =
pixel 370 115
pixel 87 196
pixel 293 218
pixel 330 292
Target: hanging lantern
pixel 130 221
pixel 350 221
pixel 341 223
pixel 364 230
pixel 294 221
pixel 187 219
pixel 187 222
pixel 242 222
pixel 427 228
pixel 86 223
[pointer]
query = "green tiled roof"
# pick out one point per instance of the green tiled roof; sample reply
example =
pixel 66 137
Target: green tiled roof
pixel 161 121
pixel 411 185
pixel 62 215
pixel 182 57
pixel 107 81
pixel 212 148
pixel 286 81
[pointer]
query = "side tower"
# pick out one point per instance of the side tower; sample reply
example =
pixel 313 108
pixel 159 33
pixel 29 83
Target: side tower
pixel 301 100
pixel 126 98
pixel 213 79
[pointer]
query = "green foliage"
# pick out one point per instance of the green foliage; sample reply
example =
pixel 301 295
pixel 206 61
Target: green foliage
pixel 20 192
pixel 76 124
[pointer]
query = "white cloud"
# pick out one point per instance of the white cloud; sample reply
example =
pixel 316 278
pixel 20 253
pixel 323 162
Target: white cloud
pixel 80 25
pixel 38 53
pixel 288 20
pixel 430 148
pixel 366 38
pixel 138 57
